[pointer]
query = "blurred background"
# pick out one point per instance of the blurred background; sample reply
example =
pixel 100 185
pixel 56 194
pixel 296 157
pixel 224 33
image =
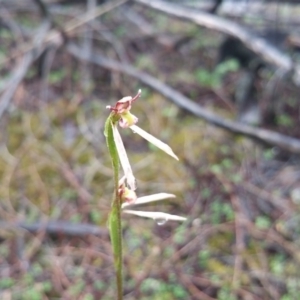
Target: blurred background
pixel 220 84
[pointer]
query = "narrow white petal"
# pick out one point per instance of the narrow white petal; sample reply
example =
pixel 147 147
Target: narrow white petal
pixel 153 140
pixel 148 199
pixel 155 215
pixel 124 159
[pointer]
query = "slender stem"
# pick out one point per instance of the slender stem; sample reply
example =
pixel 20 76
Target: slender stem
pixel 116 240
pixel 114 222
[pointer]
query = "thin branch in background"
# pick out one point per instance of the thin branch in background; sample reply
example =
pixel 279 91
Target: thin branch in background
pixel 17 76
pixel 112 39
pixel 8 20
pixel 69 175
pixel 58 228
pixel 192 288
pixel 47 57
pixel 146 28
pixel 240 232
pixel 272 236
pixel 87 41
pixel 43 9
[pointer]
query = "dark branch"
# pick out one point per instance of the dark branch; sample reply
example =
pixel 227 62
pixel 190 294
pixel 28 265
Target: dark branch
pixel 256 44
pixel 43 8
pixel 58 227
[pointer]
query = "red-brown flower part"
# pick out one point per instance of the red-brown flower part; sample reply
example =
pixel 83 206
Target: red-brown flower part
pixel 122 110
pixel 124 105
pixel 126 194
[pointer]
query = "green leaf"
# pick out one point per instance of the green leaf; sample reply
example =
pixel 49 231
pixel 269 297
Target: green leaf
pixel 262 222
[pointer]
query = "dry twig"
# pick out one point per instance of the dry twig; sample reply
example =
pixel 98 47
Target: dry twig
pixel 57 228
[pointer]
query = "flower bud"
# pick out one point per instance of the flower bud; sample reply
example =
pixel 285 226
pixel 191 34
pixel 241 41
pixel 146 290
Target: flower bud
pixel 127 195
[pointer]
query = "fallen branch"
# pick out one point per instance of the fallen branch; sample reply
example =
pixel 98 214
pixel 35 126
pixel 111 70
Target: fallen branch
pixel 57 228
pixel 269 137
pixel 259 45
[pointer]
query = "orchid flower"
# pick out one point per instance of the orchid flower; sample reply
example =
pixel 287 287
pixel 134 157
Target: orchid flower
pixel 126 119
pixel 124 194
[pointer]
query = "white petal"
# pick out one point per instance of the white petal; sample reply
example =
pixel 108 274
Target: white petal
pixel 148 199
pixel 153 140
pixel 155 215
pixel 124 159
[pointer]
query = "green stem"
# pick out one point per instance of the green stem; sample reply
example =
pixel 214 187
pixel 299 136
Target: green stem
pixel 114 221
